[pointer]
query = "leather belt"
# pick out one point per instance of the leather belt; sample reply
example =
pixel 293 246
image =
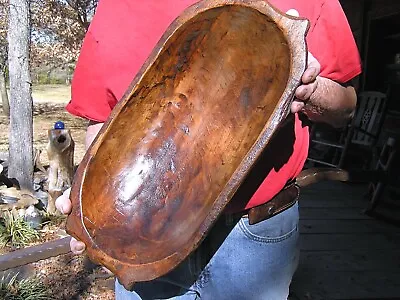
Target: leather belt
pixel 280 202
pixel 286 198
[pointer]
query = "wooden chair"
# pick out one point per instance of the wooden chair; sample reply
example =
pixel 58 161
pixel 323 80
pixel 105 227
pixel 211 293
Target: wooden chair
pixel 363 131
pixel 384 164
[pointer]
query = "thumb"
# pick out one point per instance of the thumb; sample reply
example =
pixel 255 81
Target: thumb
pixel 292 12
pixel 63 203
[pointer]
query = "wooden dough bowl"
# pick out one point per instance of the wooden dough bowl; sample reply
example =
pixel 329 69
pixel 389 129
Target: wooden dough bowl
pixel 187 131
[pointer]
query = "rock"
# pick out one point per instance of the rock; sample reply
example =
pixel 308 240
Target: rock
pixel 33 217
pixel 43 199
pixel 24 198
pixel 39 180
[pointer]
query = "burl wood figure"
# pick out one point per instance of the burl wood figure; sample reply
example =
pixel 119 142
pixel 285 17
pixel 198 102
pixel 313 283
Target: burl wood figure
pixel 187 131
pixel 60 151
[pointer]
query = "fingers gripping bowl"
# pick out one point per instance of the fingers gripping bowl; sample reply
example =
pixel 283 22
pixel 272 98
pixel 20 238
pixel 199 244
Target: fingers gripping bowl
pixel 187 131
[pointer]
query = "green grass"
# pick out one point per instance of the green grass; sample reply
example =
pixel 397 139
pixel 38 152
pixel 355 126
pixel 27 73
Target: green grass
pixel 52 219
pixel 25 289
pixel 15 231
pixel 59 93
pixel 51 93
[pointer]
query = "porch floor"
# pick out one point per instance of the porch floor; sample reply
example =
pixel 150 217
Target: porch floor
pixel 345 254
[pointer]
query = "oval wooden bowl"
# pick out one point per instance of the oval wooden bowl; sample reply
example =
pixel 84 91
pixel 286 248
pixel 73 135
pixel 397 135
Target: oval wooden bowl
pixel 181 141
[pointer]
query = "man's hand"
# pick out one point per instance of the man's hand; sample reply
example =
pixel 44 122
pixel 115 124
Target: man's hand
pixel 320 98
pixel 64 205
pixel 309 84
pixel 308 81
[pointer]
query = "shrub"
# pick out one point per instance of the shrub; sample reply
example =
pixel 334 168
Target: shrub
pixel 24 289
pixel 53 219
pixel 15 231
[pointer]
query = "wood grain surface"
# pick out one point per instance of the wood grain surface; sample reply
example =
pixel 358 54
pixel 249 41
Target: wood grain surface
pixel 180 142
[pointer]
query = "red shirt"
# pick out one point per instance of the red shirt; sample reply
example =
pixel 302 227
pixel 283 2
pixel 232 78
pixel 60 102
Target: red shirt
pixel 123 33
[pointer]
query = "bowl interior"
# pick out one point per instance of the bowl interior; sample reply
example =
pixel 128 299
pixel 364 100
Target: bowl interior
pixel 186 127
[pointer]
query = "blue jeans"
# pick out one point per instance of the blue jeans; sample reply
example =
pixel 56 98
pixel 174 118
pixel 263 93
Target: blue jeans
pixel 253 262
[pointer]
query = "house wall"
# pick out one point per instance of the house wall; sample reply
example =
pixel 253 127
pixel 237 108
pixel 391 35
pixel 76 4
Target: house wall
pixel 376 28
pixel 381 8
pixel 354 10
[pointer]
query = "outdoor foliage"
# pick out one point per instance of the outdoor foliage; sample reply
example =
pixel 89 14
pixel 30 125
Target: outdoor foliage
pixel 15 231
pixel 58 29
pixel 52 219
pixel 3 33
pixel 25 289
pixel 42 36
pixel 3 57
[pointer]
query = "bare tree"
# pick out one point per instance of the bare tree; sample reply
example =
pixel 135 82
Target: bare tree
pixel 58 29
pixel 84 10
pixel 3 55
pixel 21 105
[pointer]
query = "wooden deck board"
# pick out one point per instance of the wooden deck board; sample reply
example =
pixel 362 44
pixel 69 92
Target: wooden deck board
pixel 340 241
pixel 345 226
pixel 353 260
pixel 345 254
pixel 336 213
pixel 347 285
